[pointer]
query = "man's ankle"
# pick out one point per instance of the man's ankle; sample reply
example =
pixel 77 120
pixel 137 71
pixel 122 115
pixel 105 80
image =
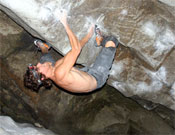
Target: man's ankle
pixel 44 50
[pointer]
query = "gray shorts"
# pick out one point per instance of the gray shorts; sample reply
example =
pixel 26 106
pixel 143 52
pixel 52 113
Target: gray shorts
pixel 102 65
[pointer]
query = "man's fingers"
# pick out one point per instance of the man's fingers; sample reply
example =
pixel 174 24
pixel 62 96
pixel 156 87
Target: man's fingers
pixel 62 14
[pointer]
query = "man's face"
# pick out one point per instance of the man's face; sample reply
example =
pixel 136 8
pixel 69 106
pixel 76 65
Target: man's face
pixel 44 68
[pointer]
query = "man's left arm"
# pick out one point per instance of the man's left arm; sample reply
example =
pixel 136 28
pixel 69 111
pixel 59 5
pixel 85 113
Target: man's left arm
pixel 70 58
pixel 85 39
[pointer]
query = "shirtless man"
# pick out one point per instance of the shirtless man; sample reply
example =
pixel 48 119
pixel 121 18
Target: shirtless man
pixel 70 78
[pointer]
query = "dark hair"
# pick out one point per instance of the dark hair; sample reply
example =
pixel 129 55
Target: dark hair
pixel 33 82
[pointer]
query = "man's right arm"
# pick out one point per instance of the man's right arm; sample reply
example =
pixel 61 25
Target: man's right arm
pixel 70 58
pixel 68 61
pixel 74 42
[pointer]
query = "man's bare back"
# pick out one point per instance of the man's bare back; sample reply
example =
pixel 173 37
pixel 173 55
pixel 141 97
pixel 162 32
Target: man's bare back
pixel 77 81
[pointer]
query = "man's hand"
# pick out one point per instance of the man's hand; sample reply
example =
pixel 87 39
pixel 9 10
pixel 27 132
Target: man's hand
pixel 91 30
pixel 63 17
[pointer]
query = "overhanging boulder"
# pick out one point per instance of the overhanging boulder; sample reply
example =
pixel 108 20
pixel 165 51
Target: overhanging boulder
pixel 144 66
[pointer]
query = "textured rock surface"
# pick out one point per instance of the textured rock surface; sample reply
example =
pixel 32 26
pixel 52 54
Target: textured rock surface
pixel 103 112
pixel 145 27
pixel 168 2
pixel 10 127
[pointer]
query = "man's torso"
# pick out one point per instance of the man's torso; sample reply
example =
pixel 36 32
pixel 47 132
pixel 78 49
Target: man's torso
pixel 76 81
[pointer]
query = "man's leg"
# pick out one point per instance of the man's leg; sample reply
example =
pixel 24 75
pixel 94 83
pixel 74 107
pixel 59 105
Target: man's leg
pixel 104 60
pixel 107 54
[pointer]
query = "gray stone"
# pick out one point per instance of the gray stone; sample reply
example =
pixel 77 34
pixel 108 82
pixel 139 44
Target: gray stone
pixel 145 27
pixel 102 112
pixel 168 2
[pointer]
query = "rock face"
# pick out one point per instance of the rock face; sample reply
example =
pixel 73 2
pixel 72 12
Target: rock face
pixel 103 112
pixel 144 65
pixel 168 2
pixel 20 129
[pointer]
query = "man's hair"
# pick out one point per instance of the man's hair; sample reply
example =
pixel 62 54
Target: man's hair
pixel 32 80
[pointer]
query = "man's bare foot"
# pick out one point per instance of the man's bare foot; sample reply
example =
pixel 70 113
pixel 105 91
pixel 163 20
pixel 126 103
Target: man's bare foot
pixel 63 17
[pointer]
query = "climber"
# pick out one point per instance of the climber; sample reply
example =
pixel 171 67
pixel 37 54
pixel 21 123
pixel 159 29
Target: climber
pixel 62 71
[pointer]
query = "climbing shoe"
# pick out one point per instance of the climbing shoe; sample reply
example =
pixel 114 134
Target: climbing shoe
pixel 42 46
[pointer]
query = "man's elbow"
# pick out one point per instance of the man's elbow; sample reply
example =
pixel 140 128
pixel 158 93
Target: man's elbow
pixel 77 48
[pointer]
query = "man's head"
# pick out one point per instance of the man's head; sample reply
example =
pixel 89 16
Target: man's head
pixel 34 80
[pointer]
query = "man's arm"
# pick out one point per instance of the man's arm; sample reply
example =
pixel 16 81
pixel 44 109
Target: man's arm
pixel 74 42
pixel 72 38
pixel 87 37
pixel 70 58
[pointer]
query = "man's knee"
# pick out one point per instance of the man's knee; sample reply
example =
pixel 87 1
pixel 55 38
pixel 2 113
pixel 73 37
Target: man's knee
pixel 113 40
pixel 110 44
